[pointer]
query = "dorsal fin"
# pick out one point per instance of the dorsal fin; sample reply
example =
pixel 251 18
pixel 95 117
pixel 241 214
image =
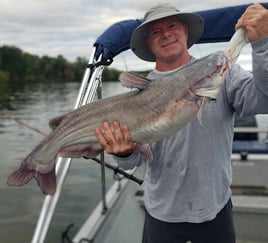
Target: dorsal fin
pixel 132 80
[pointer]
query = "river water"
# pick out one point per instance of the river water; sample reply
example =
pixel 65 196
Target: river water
pixel 20 206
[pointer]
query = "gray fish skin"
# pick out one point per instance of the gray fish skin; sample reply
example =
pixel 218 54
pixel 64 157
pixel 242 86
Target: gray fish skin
pixel 155 111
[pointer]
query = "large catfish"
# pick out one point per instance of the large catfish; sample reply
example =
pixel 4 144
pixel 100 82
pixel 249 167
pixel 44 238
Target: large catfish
pixel 153 111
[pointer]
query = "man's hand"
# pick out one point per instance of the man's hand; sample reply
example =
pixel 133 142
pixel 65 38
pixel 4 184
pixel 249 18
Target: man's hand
pixel 115 139
pixel 255 22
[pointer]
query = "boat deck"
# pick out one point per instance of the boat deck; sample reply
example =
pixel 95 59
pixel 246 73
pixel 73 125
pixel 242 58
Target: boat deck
pixel 251 217
pixel 124 221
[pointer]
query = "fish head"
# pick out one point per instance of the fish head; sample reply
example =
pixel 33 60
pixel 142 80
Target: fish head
pixel 209 84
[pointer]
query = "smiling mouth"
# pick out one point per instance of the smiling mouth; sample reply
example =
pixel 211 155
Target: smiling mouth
pixel 168 43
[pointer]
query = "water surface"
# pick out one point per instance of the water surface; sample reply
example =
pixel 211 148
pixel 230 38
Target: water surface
pixel 20 206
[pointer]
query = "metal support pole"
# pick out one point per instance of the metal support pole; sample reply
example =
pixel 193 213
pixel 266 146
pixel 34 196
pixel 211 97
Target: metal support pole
pixel 62 165
pixel 103 183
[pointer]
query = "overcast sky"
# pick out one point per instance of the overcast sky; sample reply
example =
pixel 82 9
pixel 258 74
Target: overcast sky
pixel 70 27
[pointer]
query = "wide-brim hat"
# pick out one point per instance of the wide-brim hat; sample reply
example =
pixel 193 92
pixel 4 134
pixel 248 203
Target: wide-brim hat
pixel 193 21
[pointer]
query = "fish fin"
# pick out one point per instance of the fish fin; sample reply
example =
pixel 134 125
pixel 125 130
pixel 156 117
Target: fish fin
pixel 204 100
pixel 54 122
pixel 81 150
pixel 132 80
pixel 21 176
pixel 46 182
pixel 145 151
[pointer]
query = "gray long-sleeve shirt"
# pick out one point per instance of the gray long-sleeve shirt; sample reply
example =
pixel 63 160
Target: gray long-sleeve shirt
pixel 189 179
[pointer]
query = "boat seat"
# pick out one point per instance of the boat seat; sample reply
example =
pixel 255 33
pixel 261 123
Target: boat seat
pixel 249 147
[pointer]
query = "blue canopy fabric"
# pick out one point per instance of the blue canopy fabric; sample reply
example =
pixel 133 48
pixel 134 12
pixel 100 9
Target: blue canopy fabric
pixel 219 27
pixel 114 40
pixel 220 23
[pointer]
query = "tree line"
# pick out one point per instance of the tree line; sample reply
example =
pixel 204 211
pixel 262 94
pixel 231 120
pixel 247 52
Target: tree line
pixel 20 70
pixel 19 66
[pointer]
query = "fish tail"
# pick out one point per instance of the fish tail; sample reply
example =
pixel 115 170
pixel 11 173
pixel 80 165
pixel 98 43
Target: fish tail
pixel 21 176
pixel 46 182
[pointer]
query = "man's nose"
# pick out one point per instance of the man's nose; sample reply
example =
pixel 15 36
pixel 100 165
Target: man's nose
pixel 166 33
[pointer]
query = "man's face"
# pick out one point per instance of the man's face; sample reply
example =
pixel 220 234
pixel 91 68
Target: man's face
pixel 167 38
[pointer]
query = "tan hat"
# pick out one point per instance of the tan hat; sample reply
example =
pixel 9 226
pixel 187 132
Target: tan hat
pixel 194 23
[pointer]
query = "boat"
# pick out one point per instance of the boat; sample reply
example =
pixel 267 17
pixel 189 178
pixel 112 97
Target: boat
pixel 119 215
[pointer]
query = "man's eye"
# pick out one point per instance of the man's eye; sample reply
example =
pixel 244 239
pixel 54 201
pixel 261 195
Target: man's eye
pixel 155 32
pixel 172 26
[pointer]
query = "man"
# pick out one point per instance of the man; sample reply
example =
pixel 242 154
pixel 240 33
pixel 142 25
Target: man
pixel 187 185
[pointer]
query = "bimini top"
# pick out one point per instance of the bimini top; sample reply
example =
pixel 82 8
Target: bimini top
pixel 219 27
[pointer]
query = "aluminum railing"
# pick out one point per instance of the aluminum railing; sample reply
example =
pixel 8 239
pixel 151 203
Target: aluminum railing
pixel 89 86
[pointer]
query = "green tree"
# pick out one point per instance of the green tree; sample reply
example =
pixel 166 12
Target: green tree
pixel 24 68
pixel 110 74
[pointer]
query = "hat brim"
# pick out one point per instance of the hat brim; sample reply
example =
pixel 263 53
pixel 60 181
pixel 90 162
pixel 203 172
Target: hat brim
pixel 138 45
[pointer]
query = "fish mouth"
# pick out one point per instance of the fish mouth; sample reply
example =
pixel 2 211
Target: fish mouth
pixel 209 85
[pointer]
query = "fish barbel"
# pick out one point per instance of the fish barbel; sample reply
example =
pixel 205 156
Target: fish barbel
pixel 153 111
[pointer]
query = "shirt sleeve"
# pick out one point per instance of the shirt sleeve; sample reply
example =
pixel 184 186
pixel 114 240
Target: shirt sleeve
pixel 260 64
pixel 130 162
pixel 247 92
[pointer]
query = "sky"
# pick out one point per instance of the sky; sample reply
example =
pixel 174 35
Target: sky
pixel 70 27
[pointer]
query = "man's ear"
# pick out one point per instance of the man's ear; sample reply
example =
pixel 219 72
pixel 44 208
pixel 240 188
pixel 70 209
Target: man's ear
pixel 186 29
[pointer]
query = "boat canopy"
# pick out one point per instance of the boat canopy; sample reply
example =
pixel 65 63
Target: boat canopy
pixel 219 27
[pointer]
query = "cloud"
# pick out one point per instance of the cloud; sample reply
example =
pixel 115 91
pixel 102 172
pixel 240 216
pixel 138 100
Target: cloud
pixel 69 28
